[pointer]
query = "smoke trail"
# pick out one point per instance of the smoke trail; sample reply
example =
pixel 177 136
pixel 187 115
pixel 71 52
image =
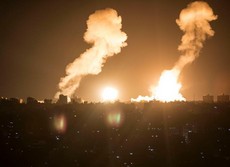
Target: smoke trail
pixel 194 21
pixel 104 32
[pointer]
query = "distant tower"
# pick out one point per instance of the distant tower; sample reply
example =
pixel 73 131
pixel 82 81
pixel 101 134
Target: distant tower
pixel 223 98
pixel 62 99
pixel 208 99
pixel 76 100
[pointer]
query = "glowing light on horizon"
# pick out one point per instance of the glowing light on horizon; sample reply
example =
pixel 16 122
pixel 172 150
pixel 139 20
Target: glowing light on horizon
pixel 109 94
pixel 107 39
pixel 194 22
pixel 168 88
pixel 142 99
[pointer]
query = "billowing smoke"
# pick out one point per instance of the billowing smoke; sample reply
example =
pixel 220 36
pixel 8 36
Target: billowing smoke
pixel 194 22
pixel 104 33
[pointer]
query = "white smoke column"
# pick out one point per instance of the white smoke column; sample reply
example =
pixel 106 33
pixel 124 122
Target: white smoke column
pixel 194 22
pixel 104 32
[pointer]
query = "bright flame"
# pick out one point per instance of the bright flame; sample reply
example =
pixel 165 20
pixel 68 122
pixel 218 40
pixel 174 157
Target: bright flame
pixel 109 94
pixel 105 34
pixel 168 88
pixel 194 22
pixel 142 99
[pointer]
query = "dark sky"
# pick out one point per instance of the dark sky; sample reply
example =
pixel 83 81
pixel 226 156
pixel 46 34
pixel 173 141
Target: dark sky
pixel 38 39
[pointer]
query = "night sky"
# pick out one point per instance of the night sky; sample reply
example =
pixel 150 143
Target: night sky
pixel 38 39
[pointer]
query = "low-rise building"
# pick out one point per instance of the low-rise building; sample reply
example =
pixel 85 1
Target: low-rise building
pixel 223 98
pixel 208 99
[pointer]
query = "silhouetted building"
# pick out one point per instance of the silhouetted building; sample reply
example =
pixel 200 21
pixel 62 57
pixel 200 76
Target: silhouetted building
pixel 223 98
pixel 14 101
pixel 208 99
pixel 3 100
pixel 31 100
pixel 48 101
pixel 76 100
pixel 62 99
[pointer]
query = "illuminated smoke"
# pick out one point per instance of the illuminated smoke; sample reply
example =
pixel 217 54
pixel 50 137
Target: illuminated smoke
pixel 168 88
pixel 104 33
pixel 194 22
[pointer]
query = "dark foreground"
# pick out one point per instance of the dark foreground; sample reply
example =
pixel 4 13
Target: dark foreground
pixel 114 135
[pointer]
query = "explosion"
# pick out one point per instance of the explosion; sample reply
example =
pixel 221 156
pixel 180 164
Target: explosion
pixel 168 87
pixel 194 22
pixel 104 32
pixel 109 94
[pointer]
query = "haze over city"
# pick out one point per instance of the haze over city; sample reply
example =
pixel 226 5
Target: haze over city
pixel 115 83
pixel 39 39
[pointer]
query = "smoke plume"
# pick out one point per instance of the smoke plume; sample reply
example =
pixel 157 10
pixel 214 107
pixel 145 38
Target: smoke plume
pixel 194 22
pixel 104 33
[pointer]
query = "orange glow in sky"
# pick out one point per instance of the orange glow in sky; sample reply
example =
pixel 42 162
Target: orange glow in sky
pixel 109 94
pixel 168 88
